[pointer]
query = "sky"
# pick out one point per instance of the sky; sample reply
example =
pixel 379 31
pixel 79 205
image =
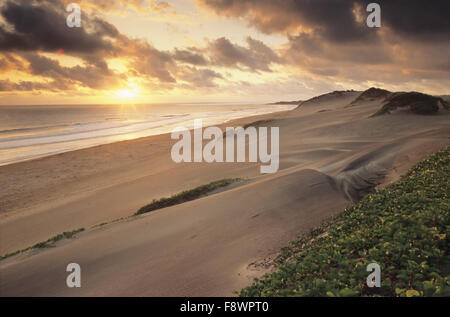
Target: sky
pixel 148 51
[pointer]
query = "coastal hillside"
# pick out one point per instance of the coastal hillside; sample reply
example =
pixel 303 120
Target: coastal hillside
pixel 140 224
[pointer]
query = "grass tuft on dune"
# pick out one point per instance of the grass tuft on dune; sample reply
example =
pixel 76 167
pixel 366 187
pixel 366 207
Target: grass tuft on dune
pixel 52 240
pixel 405 228
pixel 417 102
pixel 186 196
pixel 46 244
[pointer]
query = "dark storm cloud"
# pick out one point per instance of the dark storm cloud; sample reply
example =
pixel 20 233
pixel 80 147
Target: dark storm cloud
pixel 334 20
pixel 331 39
pixel 41 27
pixel 417 19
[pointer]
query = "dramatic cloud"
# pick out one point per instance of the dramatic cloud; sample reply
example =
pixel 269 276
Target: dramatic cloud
pixel 10 62
pixel 326 43
pixel 199 78
pixel 222 52
pixel 257 57
pixel 34 29
pixel 43 28
pixel 331 38
pixel 333 19
pixel 154 63
pixel 95 77
pixel 420 20
pixel 7 85
pixel 337 20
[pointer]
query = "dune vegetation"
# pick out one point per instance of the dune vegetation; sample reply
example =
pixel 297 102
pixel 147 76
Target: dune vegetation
pixel 418 103
pixel 404 228
pixel 186 195
pixel 46 244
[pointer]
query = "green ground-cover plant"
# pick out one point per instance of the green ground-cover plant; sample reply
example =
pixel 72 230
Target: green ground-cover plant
pixel 187 195
pixel 405 228
pixel 45 244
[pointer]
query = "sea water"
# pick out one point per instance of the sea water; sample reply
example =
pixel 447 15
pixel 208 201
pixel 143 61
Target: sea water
pixel 28 132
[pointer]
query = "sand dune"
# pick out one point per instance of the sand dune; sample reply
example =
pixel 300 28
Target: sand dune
pixel 331 153
pixel 198 248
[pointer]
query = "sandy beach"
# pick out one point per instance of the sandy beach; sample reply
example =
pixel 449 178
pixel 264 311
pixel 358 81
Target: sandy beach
pixel 331 151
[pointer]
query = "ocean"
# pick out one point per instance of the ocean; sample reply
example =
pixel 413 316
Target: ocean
pixel 28 132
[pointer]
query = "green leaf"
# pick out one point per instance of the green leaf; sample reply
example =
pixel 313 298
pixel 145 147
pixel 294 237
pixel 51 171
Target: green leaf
pixel 412 293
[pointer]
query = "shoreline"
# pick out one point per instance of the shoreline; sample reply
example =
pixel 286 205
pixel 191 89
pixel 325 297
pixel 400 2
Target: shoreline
pixel 104 140
pixel 234 122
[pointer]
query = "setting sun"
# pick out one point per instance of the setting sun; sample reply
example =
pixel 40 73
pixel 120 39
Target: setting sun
pixel 125 93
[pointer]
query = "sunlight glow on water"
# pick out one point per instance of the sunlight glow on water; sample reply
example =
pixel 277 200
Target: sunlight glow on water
pixel 28 132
